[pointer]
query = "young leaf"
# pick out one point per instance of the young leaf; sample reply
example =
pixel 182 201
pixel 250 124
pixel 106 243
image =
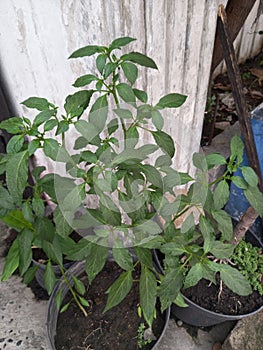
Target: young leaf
pixel 164 141
pixel 65 307
pixel 76 104
pixel 50 124
pixel 30 274
pixel 239 182
pixel 87 51
pixel 194 275
pixel 16 220
pixel 15 144
pixel 36 102
pixel 225 225
pixel 17 174
pixel 83 301
pixel 237 148
pixel 63 126
pixel 234 280
pixel 163 160
pixel 13 125
pixel 157 119
pixel 33 146
pixel 119 289
pixel 25 250
pixel 49 278
pixel 112 126
pixel 43 116
pixel 143 255
pixel 108 69
pixel 141 95
pixel 221 195
pixel 130 71
pixel 119 42
pixel 123 113
pixel 250 176
pixel 79 285
pixel 140 59
pixel 170 287
pixel 255 198
pixel 99 113
pixel 122 257
pixel 172 100
pixel 126 93
pixel 96 260
pixel 51 148
pixel 11 262
pixel 222 250
pixel 100 62
pixel 85 80
pixel 148 293
pixel 215 159
pixel 59 299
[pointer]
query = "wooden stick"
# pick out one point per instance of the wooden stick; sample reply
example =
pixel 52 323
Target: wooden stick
pixel 246 130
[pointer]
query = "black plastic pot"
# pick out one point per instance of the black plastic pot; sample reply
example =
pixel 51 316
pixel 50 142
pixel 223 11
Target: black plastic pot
pixel 196 315
pixel 52 311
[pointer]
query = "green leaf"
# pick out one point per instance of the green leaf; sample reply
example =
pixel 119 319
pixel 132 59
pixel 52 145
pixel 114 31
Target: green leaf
pixel 6 200
pixel 15 144
pixel 87 130
pixel 62 226
pixel 87 51
pixel 50 124
pixel 148 293
pixel 126 93
pixel 33 146
pixel 188 224
pixel 250 176
pixel 16 220
pixel 112 126
pixel 11 262
pixel 119 42
pixel 255 198
pixel 157 119
pixel 76 104
pixel 173 248
pixel 88 157
pixel 152 175
pixel 100 62
pixel 51 148
pixel 130 71
pixel 215 159
pixel 83 301
pixel 30 274
pixel 36 102
pixel 25 250
pixel 96 260
pixel 140 59
pixel 164 141
pixel 17 174
pixel 45 229
pixel 65 307
pixel 237 147
pixel 119 289
pixel 123 113
pixel 225 225
pixel 122 257
pixel 141 95
pixel 85 80
pixel 63 126
pixel 79 285
pixel 59 299
pixel 199 161
pixel 13 125
pixel 99 113
pixel 194 275
pixel 172 100
pixel 207 231
pixel 221 195
pixel 43 117
pixel 239 182
pixel 38 206
pixel 108 69
pixel 144 255
pixel 163 160
pixel 49 278
pixel 222 250
pixel 170 287
pixel 234 280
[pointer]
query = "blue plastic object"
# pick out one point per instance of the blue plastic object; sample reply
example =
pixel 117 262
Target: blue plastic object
pixel 237 203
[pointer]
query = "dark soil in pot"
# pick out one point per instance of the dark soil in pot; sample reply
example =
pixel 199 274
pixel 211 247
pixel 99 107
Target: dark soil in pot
pixel 208 296
pixel 115 329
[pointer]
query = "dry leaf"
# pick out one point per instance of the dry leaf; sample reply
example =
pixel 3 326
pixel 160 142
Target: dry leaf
pixel 257 73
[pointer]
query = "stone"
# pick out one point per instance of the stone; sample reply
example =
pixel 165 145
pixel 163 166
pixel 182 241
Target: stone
pixel 247 335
